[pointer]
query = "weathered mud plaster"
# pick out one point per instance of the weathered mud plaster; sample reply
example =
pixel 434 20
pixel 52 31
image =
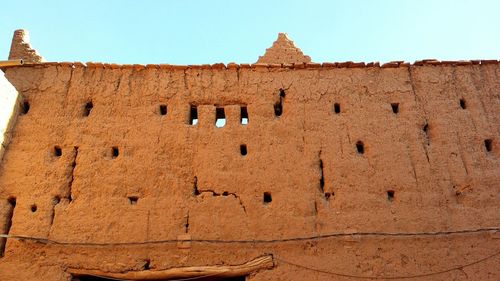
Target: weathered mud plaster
pixel 363 170
pixel 21 49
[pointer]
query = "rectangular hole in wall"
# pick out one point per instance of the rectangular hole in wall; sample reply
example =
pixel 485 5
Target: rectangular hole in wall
pixel 87 108
pixel 336 108
pixel 163 109
pixel 395 107
pixel 5 228
pixel 360 147
pixel 115 152
pixel 193 115
pixel 243 115
pixel 132 200
pixel 278 109
pixel 267 198
pixel 488 144
pixel 25 107
pixel 462 104
pixel 220 117
pixel 243 149
pixel 390 195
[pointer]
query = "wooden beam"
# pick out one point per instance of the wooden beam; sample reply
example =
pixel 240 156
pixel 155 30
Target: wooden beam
pixel 219 271
pixel 4 63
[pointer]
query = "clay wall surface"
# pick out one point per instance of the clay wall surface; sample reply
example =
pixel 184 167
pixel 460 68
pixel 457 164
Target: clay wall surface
pixel 108 155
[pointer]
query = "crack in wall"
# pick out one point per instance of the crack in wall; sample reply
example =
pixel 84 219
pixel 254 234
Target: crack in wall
pixel 72 174
pixel 427 141
pixel 54 202
pixel 186 225
pixel 321 178
pixel 412 165
pixel 68 84
pixel 197 192
pixel 462 157
pixel 418 103
pixel 278 106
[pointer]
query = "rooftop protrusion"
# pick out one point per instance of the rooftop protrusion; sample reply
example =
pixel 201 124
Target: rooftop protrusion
pixel 20 48
pixel 283 51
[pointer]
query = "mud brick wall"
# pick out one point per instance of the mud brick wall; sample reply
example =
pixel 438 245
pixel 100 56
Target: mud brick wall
pixel 130 153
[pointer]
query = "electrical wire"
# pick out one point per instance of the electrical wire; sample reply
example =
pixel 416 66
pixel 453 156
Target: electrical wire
pixel 284 240
pixel 386 277
pixel 460 267
pixel 253 241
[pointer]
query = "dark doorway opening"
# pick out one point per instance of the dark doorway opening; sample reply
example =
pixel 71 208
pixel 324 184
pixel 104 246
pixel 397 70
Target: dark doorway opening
pixel 213 278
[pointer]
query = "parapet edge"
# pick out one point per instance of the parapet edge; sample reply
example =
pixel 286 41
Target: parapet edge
pixel 222 66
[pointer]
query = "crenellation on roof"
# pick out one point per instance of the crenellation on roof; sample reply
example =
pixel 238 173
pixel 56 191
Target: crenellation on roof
pixel 20 48
pixel 292 66
pixel 282 54
pixel 283 50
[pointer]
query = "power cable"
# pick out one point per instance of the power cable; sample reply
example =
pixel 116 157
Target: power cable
pixel 254 241
pixel 387 277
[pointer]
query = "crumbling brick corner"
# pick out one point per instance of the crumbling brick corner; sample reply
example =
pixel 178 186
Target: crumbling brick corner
pixel 20 48
pixel 283 51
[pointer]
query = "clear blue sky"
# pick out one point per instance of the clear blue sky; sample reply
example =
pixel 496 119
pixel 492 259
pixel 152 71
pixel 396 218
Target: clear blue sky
pixel 197 32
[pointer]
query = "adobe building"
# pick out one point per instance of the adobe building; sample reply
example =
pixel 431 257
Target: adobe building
pixel 280 170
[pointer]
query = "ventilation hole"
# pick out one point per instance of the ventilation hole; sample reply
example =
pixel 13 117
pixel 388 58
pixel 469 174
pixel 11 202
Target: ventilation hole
pixel 282 93
pixel 322 178
pixel 336 108
pixel 163 109
pixel 243 149
pixel 115 152
pixel 328 195
pixel 278 107
pixel 25 107
pixel 225 193
pixel 220 117
pixel 193 115
pixel 426 128
pixel 462 104
pixel 33 208
pixel 390 195
pixel 488 144
pixel 395 108
pixel 133 200
pixel 87 108
pixel 57 151
pixel 12 201
pixel 267 197
pixel 56 200
pixel 243 115
pixel 147 262
pixel 360 147
pixel 195 186
pixel 426 132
